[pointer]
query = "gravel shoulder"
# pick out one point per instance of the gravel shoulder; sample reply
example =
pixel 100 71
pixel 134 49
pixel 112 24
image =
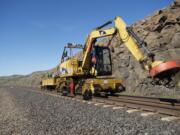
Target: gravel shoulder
pixel 28 113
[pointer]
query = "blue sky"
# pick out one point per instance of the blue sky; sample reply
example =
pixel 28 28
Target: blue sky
pixel 33 32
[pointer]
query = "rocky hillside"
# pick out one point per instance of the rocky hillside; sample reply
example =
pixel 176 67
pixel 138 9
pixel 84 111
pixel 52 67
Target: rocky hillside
pixel 31 80
pixel 161 31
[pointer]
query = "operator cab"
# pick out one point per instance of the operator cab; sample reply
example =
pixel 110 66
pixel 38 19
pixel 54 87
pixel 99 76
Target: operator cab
pixel 101 60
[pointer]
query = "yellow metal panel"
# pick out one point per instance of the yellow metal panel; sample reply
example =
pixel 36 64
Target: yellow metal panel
pixel 69 67
pixel 102 83
pixel 128 40
pixel 49 82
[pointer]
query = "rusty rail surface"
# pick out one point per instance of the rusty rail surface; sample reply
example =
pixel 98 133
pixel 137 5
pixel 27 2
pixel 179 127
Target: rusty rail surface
pixel 158 105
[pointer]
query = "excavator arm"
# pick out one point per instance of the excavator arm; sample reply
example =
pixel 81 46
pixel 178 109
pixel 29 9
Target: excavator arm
pixel 133 44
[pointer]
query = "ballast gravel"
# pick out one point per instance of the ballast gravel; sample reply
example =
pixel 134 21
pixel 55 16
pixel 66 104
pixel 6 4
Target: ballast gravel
pixel 24 112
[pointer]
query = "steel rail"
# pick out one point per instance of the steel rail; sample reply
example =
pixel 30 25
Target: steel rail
pixel 145 104
pixel 165 106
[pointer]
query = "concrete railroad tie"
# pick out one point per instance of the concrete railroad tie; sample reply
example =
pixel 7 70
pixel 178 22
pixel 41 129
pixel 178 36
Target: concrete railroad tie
pixel 106 106
pixel 132 110
pixel 117 107
pixel 97 104
pixel 147 114
pixel 170 118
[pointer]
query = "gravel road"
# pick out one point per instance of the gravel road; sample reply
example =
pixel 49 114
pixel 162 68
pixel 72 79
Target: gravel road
pixel 24 112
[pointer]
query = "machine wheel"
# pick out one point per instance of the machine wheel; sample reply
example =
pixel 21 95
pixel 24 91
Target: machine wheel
pixel 65 91
pixel 87 95
pixel 121 88
pixel 112 93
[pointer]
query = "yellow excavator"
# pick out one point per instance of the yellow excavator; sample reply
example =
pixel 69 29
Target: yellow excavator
pixel 91 73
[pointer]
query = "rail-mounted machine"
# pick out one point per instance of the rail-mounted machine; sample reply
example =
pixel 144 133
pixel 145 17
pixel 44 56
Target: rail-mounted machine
pixel 91 71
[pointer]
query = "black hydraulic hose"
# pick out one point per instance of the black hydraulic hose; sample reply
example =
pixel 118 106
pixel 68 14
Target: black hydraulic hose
pixel 140 42
pixel 105 24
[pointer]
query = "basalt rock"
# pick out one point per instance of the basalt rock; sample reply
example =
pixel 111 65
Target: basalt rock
pixel 161 31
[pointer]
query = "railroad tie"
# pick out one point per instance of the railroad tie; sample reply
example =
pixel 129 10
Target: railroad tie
pixel 106 106
pixel 97 104
pixel 147 114
pixel 117 107
pixel 89 102
pixel 170 118
pixel 132 110
pixel 84 101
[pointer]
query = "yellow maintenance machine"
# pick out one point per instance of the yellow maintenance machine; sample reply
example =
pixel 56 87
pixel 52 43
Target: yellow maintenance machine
pixel 91 74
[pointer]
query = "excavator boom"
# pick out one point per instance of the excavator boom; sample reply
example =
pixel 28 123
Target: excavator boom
pixel 133 44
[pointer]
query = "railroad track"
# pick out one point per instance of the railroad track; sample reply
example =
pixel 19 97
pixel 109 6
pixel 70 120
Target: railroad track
pixel 157 105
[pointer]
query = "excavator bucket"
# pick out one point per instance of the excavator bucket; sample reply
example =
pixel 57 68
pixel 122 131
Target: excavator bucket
pixel 165 69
